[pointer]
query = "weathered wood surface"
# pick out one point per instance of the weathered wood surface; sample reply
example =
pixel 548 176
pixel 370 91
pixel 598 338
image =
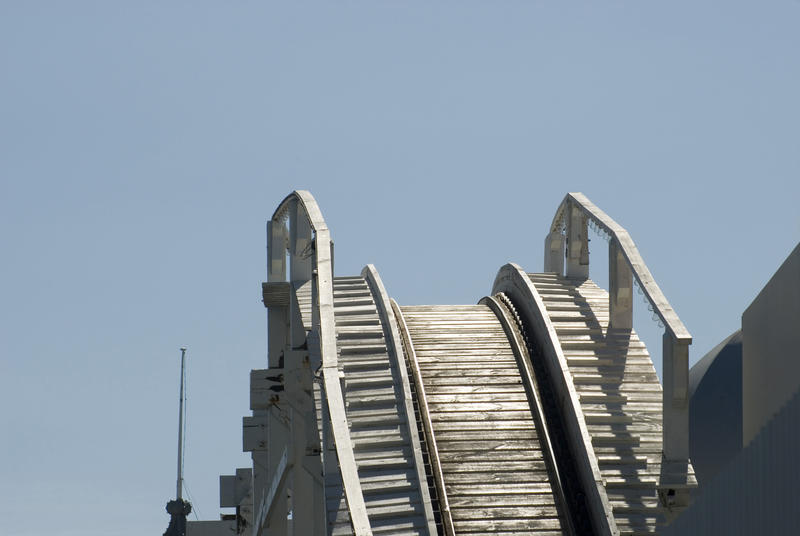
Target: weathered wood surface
pixel 495 475
pixel 378 421
pixel 552 364
pixel 395 347
pixel 620 396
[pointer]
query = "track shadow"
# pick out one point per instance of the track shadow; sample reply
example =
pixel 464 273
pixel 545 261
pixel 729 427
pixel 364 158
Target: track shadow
pixel 613 346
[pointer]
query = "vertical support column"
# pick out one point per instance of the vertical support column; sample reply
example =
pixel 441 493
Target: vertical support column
pixel 300 244
pixel 301 257
pixel 676 399
pixel 305 479
pixel 577 243
pixel 276 249
pixel 675 482
pixel 277 316
pixel 620 288
pixel 554 253
pixel 265 461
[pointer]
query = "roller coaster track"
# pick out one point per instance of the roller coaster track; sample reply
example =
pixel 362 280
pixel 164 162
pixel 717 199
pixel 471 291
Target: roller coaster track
pixel 494 463
pixel 384 440
pixel 619 394
pixel 536 411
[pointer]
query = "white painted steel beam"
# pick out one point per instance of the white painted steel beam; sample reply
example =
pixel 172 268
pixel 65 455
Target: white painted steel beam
pixel 277 317
pixel 577 243
pixel 311 260
pixel 620 289
pixel 554 252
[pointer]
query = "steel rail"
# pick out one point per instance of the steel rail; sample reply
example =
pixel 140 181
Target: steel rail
pixel 513 328
pixel 515 284
pixel 395 346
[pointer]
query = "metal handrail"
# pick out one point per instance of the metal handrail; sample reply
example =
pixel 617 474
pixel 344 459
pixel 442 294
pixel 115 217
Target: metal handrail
pixel 626 266
pixel 631 254
pixel 323 323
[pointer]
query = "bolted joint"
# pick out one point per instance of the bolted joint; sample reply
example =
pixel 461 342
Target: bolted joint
pixel 264 384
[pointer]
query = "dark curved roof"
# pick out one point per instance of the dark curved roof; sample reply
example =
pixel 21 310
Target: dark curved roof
pixel 698 371
pixel 715 411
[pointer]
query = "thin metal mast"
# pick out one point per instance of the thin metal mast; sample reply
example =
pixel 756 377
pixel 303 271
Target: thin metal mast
pixel 180 428
pixel 179 509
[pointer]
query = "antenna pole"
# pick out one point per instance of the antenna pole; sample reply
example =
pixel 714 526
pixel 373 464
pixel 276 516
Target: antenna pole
pixel 179 509
pixel 180 428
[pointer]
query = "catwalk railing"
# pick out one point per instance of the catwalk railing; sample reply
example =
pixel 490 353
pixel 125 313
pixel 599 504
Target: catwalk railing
pixel 568 239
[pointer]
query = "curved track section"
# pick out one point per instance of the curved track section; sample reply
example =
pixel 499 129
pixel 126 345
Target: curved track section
pixel 553 370
pixel 379 415
pixel 494 468
pixel 567 253
pixel 609 389
pixel 619 394
pixel 557 457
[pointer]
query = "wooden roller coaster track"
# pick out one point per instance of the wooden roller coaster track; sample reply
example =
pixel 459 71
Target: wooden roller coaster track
pixel 536 411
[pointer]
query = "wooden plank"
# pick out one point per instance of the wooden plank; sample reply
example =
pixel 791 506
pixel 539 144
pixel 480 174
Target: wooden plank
pixel 533 308
pixel 468 394
pixel 334 398
pixel 427 424
pixel 380 432
pixel 624 415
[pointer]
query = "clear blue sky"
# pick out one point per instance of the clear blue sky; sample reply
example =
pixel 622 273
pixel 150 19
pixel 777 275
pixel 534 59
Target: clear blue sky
pixel 143 146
